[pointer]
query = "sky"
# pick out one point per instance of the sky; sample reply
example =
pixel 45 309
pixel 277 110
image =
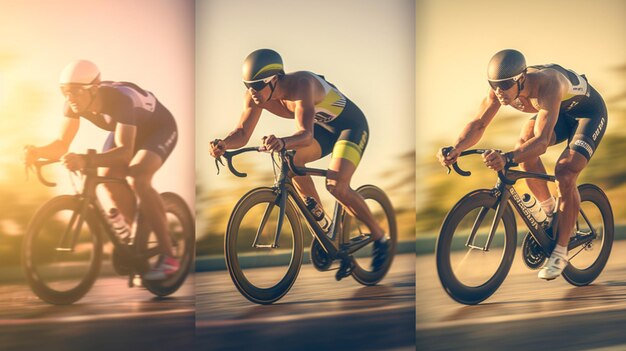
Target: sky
pixel 365 47
pixel 456 39
pixel 147 42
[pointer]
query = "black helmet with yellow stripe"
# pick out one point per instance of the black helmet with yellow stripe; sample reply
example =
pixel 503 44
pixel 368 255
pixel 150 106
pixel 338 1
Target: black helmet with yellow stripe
pixel 261 64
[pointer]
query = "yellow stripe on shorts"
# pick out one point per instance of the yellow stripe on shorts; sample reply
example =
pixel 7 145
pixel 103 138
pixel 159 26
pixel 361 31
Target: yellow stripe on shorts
pixel 347 150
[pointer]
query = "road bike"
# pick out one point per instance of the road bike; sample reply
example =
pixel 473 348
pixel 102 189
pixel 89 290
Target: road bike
pixel 478 237
pixel 264 230
pixel 63 246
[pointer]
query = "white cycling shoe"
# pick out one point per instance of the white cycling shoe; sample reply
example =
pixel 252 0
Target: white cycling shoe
pixel 553 268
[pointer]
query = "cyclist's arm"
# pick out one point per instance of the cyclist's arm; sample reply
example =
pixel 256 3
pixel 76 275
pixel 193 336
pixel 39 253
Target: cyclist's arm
pixel 549 100
pixel 250 116
pixel 474 130
pixel 304 114
pixel 61 145
pixel 122 153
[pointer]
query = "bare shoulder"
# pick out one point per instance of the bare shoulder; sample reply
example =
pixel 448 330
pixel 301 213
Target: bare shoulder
pixel 302 84
pixel 551 84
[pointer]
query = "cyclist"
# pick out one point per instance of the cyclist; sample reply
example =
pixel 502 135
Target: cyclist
pixel 326 122
pixel 143 134
pixel 565 107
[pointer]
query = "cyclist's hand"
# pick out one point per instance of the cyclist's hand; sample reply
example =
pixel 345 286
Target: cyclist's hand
pixel 448 159
pixel 494 160
pixel 217 148
pixel 273 143
pixel 30 155
pixel 74 162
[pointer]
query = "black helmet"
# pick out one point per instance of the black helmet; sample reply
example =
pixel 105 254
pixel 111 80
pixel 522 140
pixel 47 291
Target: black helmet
pixel 506 64
pixel 262 63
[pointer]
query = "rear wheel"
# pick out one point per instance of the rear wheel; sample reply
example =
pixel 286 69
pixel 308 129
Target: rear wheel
pixel 383 212
pixel 181 229
pixel 587 261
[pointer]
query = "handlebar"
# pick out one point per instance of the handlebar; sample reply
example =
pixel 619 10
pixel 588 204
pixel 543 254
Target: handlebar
pixel 284 154
pixel 446 150
pixel 37 165
pixel 228 155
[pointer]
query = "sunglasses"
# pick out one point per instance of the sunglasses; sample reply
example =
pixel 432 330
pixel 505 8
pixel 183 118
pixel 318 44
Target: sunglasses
pixel 75 90
pixel 258 84
pixel 506 83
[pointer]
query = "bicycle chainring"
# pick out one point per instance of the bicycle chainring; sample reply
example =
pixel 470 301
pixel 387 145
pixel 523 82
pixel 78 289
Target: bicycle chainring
pixel 319 257
pixel 533 256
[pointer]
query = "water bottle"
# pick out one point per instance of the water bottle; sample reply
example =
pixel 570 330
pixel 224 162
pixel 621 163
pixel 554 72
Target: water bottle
pixel 535 208
pixel 317 212
pixel 119 225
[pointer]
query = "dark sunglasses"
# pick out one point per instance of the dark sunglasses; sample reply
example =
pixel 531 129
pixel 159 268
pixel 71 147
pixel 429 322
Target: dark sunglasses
pixel 258 84
pixel 504 84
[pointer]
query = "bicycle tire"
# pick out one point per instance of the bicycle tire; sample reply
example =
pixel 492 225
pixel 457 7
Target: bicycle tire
pixel 182 232
pixel 360 273
pixel 454 287
pixel 252 292
pixel 35 238
pixel 580 277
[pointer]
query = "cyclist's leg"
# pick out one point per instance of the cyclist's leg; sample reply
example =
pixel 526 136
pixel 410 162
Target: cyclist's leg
pixel 567 169
pixel 347 154
pixel 141 171
pixel 538 187
pixel 304 184
pixel 322 145
pixel 121 196
pixel 573 160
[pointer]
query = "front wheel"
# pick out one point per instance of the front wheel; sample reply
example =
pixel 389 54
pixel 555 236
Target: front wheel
pixel 181 230
pixel 595 217
pixel 471 264
pixel 262 272
pixel 383 212
pixel 61 263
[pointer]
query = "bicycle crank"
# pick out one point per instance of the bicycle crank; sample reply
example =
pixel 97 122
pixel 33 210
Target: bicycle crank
pixel 533 256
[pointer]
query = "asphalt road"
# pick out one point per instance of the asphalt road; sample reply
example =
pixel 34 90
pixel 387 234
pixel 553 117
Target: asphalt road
pixel 526 313
pixel 110 317
pixel 318 313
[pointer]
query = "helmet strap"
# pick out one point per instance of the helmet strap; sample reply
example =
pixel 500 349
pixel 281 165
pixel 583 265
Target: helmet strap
pixel 520 87
pixel 272 87
pixel 93 98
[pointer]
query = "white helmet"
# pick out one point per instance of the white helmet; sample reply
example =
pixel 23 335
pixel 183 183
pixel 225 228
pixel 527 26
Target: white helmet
pixel 80 72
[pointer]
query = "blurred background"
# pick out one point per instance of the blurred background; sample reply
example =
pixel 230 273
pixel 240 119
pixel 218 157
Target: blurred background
pixel 150 43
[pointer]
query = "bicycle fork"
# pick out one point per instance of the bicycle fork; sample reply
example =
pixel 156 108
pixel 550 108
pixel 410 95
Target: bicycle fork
pixel 72 232
pixel 502 202
pixel 281 201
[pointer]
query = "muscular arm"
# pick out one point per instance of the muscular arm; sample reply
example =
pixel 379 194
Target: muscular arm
pixel 59 146
pixel 474 130
pixel 304 114
pixel 549 100
pixel 122 154
pixel 250 116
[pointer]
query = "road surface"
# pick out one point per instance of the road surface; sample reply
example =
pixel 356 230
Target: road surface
pixel 526 313
pixel 318 313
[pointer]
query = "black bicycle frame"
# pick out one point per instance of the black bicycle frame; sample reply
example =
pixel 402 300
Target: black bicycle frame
pixel 505 193
pixel 284 188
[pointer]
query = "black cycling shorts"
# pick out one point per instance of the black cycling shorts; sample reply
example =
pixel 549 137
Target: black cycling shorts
pixel 159 136
pixel 346 136
pixel 583 126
